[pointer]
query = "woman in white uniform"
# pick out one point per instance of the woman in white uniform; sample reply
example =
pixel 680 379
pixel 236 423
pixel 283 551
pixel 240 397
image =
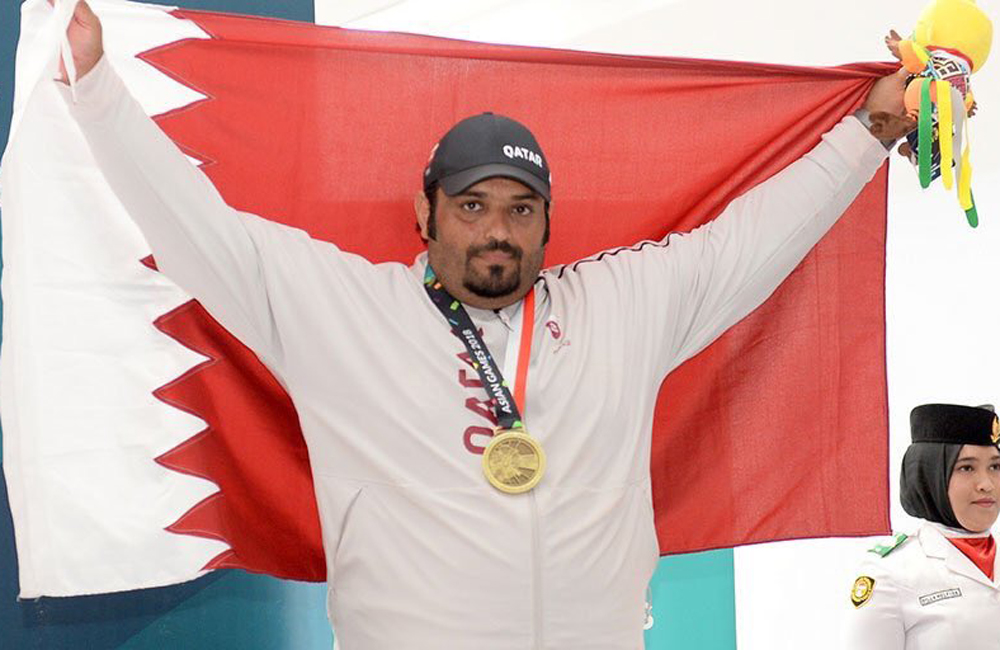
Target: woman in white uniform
pixel 937 588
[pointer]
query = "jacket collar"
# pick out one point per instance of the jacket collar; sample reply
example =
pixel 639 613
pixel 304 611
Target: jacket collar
pixel 506 316
pixel 935 544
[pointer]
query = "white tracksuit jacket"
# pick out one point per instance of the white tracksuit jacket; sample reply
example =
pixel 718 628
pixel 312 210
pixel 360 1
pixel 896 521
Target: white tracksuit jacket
pixel 421 551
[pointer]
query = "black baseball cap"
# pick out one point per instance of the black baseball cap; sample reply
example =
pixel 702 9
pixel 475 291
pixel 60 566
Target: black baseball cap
pixel 955 424
pixel 485 146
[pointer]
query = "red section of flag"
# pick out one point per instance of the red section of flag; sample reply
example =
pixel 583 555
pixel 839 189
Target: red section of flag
pixel 778 430
pixel 252 448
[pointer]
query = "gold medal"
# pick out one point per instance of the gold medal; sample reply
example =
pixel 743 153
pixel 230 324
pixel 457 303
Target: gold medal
pixel 513 461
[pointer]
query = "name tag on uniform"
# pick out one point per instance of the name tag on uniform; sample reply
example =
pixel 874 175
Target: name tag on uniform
pixel 937 596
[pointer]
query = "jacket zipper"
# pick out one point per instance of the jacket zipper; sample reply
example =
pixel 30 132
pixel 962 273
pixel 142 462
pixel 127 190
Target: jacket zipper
pixel 536 570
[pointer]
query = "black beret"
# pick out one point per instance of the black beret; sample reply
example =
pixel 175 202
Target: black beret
pixel 954 424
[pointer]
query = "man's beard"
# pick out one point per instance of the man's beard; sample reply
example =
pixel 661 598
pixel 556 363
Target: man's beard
pixel 495 283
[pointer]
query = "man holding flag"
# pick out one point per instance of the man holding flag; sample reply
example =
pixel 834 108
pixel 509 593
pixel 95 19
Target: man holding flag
pixel 534 529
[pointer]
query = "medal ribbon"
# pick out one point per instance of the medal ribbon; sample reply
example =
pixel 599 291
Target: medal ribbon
pixel 504 404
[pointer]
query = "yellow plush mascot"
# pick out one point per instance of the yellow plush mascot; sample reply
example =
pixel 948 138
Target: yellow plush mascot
pixel 951 41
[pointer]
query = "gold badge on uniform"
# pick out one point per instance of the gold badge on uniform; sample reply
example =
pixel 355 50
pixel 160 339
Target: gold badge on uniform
pixel 996 431
pixel 861 593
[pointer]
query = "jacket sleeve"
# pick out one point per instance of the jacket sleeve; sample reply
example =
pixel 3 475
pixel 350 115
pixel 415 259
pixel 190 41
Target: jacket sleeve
pixel 206 247
pixel 689 288
pixel 878 623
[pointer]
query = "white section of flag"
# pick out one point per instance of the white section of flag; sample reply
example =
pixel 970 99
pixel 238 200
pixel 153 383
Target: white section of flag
pixel 64 230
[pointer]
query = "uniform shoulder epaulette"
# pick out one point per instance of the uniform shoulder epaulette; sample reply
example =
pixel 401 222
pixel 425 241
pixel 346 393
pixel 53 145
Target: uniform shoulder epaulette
pixel 890 546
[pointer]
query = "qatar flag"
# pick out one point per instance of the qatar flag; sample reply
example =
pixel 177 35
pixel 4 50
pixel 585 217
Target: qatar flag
pixel 144 445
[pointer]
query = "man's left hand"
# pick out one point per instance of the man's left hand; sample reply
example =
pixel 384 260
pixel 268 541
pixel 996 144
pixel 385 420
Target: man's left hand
pixel 886 110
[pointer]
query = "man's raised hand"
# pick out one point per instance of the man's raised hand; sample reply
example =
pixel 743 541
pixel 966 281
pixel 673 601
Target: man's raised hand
pixel 85 41
pixel 885 107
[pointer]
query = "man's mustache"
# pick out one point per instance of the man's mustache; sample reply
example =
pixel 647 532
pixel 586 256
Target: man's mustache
pixel 495 245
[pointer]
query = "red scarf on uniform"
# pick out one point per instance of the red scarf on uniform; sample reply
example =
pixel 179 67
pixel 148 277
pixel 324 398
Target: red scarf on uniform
pixel 981 550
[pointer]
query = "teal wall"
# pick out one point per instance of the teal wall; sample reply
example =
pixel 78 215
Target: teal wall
pixel 693 603
pixel 694 606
